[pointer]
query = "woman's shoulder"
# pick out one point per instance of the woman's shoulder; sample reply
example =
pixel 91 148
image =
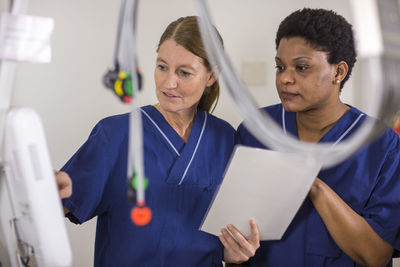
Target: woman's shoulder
pixel 113 128
pixel 388 140
pixel 274 111
pixel 120 121
pixel 115 122
pixel 219 123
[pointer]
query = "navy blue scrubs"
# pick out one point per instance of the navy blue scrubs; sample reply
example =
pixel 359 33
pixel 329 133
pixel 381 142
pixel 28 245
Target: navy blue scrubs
pixel 182 181
pixel 368 181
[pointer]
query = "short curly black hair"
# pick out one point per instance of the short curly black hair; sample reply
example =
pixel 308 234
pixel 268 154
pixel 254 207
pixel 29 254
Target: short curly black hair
pixel 325 31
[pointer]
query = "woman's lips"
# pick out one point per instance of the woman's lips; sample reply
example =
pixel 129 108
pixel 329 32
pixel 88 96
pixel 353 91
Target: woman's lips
pixel 169 95
pixel 288 96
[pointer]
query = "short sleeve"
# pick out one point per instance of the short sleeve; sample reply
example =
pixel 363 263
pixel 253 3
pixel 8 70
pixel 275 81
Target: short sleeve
pixel 244 137
pixel 89 169
pixel 382 211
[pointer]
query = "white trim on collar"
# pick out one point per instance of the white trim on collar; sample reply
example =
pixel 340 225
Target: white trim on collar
pixel 338 140
pixel 162 133
pixel 195 150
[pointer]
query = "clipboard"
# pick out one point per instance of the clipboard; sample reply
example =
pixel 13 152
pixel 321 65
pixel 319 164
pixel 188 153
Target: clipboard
pixel 266 185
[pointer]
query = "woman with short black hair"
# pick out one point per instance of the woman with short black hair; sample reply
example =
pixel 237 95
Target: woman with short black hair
pixel 352 214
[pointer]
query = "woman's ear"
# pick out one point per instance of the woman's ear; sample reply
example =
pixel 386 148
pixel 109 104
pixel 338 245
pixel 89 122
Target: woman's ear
pixel 341 71
pixel 211 79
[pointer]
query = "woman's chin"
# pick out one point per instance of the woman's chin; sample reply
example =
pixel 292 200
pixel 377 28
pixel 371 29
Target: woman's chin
pixel 168 107
pixel 290 107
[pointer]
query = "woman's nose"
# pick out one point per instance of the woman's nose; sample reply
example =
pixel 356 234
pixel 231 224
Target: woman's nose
pixel 171 81
pixel 287 77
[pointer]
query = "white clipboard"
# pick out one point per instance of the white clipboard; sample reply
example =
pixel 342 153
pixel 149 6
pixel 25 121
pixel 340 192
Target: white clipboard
pixel 266 185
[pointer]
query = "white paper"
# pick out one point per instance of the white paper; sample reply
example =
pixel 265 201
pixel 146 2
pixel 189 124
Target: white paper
pixel 25 38
pixel 266 185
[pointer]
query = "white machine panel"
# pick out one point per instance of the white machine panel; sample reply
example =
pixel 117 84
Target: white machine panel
pixel 39 217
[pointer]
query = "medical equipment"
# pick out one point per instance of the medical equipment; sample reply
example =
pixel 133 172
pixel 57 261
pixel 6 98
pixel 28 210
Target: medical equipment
pixel 126 86
pixel 32 226
pixel 38 217
pixel 382 65
pixel 121 83
pixel 116 78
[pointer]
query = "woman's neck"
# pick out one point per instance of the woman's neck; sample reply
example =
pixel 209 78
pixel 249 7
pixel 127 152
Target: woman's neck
pixel 181 122
pixel 313 124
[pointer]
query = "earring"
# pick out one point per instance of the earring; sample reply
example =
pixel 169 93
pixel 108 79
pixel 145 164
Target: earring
pixel 336 81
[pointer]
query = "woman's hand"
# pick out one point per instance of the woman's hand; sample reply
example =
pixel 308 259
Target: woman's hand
pixel 64 184
pixel 237 248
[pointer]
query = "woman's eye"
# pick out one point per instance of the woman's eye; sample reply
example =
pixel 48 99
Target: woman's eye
pixel 302 68
pixel 185 73
pixel 161 67
pixel 279 68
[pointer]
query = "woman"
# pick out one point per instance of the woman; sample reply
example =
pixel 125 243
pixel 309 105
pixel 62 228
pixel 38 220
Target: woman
pixel 185 153
pixel 352 214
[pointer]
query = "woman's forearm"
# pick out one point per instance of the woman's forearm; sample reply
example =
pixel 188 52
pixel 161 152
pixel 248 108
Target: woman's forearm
pixel 350 231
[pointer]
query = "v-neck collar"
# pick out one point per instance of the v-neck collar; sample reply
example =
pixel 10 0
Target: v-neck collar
pixel 341 130
pixel 185 152
pixel 165 129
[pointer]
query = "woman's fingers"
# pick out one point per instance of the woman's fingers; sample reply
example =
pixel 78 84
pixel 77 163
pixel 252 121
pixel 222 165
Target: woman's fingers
pixel 248 247
pixel 64 184
pixel 237 248
pixel 255 234
pixel 229 239
pixel 233 253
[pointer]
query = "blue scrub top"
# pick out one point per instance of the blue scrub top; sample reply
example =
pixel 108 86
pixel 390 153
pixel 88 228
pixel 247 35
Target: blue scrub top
pixel 182 181
pixel 368 181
